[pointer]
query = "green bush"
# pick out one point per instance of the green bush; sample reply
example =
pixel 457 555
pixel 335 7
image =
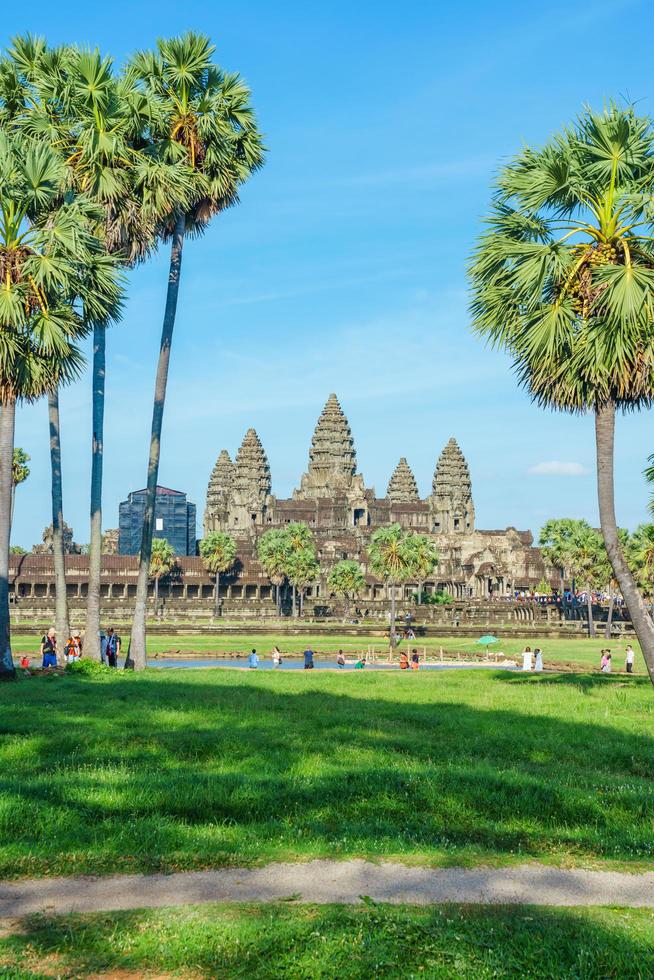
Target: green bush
pixel 87 668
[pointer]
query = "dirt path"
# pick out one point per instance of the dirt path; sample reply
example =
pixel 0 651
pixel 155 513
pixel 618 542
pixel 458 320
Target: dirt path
pixel 330 881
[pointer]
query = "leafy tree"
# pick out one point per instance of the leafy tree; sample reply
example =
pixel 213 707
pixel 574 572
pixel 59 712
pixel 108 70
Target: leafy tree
pixel 641 557
pixel 218 552
pixel 163 561
pixel 273 549
pixel 391 559
pixel 302 570
pixel 201 117
pixel 424 558
pixel 563 278
pixel 586 557
pixel 348 580
pixel 19 473
pixel 17 550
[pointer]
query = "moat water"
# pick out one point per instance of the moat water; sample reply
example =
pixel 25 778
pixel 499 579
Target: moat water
pixel 298 664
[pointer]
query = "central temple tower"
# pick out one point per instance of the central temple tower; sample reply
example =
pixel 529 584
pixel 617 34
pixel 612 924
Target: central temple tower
pixel 332 458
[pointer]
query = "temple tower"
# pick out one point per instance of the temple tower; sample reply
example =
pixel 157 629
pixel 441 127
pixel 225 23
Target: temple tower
pixel 402 486
pixel 451 503
pixel 250 484
pixel 332 457
pixel 219 493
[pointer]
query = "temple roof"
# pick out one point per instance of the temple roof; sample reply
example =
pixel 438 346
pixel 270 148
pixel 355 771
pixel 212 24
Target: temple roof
pixel 402 485
pixel 332 457
pixel 222 476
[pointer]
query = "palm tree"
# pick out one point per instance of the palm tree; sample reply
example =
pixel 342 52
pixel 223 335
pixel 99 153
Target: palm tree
pixel 273 549
pixel 563 278
pixel 298 538
pixel 163 561
pixel 348 580
pixel 45 249
pixel 424 558
pixel 204 119
pixel 554 543
pixel 62 621
pixel 641 557
pixel 218 552
pixel 391 559
pixel 585 556
pixel 19 473
pixel 302 570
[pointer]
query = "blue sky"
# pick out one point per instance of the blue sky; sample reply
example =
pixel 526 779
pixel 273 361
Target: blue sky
pixel 343 268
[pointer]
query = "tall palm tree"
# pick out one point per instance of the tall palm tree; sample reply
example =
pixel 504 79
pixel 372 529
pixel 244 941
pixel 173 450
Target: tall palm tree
pixel 273 551
pixel 162 562
pixel 298 539
pixel 586 558
pixel 218 552
pixel 62 619
pixel 302 570
pixel 391 559
pixel 101 123
pixel 204 119
pixel 424 558
pixel 346 579
pixel 45 249
pixel 563 278
pixel 554 543
pixel 19 473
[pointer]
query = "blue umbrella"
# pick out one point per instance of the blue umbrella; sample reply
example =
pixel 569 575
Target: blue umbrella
pixel 486 641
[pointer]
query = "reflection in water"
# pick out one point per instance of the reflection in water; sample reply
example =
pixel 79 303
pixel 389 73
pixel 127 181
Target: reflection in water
pixel 298 664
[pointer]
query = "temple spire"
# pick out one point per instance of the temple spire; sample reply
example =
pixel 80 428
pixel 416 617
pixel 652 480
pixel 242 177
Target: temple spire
pixel 402 485
pixel 251 481
pixel 451 499
pixel 332 458
pixel 219 493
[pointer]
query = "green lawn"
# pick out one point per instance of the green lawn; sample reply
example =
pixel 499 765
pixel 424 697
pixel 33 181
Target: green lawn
pixel 175 769
pixel 250 941
pixel 579 651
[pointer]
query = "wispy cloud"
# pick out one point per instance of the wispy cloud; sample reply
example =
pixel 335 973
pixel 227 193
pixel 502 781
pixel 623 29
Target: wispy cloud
pixel 557 467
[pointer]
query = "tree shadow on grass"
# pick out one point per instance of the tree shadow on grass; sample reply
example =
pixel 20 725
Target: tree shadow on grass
pixel 581 681
pixel 345 941
pixel 147 773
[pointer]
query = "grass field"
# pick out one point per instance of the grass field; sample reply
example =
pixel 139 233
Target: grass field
pixel 583 652
pixel 336 941
pixel 189 769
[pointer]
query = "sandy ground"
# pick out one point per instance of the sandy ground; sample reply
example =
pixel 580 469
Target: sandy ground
pixel 331 881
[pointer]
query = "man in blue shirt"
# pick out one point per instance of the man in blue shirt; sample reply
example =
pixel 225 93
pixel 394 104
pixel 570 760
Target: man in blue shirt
pixel 253 660
pixel 308 659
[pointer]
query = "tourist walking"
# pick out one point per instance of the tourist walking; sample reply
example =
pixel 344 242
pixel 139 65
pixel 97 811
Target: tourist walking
pixel 538 660
pixel 253 660
pixel 629 659
pixel 606 662
pixel 276 657
pixel 404 661
pixel 415 660
pixel 49 649
pixel 111 644
pixel 308 659
pixel 527 658
pixel 73 648
pixel 340 660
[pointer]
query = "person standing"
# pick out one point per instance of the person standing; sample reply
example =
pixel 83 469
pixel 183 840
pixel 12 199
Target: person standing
pixel 340 660
pixel 404 661
pixel 49 649
pixel 526 658
pixel 538 662
pixel 112 647
pixel 415 660
pixel 308 659
pixel 73 648
pixel 276 657
pixel 253 660
pixel 606 662
pixel 629 659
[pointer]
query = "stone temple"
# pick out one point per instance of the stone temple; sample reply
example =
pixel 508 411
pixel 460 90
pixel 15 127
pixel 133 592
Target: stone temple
pixel 342 512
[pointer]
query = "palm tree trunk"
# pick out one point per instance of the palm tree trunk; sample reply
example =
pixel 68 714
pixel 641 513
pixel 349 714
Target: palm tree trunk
pixel 92 632
pixel 420 593
pixel 137 640
pixel 216 596
pixel 62 625
pixel 7 428
pixel 589 603
pixel 609 617
pixel 640 618
pixel 392 622
pixel 294 603
pixel 156 592
pixel 301 603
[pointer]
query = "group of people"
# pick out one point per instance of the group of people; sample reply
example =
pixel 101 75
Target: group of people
pixel 73 649
pixel 254 661
pixel 606 660
pixel 532 660
pixel 406 662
